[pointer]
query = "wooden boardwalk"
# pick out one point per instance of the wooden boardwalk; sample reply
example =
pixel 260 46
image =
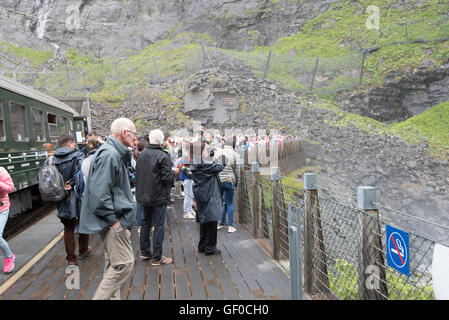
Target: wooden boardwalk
pixel 242 272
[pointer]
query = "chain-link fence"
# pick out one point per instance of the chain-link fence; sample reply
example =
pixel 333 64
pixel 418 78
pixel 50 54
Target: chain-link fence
pixel 343 250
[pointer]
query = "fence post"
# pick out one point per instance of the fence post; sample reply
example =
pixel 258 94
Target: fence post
pixel 372 282
pixel 204 56
pixel 299 251
pixel 314 73
pixel 267 66
pixel 155 68
pixel 243 194
pixel 116 71
pixel 67 72
pixel 362 67
pixel 276 214
pixel 406 30
pixel 294 256
pixel 316 279
pixel 257 191
pixel 86 93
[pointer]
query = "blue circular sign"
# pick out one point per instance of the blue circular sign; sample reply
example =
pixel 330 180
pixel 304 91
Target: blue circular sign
pixel 397 249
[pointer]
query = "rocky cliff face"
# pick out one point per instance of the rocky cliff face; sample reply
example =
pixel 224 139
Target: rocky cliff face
pixel 402 96
pixel 112 28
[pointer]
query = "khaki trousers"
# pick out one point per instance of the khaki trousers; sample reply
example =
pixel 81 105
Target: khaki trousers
pixel 119 263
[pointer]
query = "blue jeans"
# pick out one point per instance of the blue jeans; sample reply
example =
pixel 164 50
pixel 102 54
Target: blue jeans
pixel 188 195
pixel 139 213
pixel 153 216
pixel 3 244
pixel 228 199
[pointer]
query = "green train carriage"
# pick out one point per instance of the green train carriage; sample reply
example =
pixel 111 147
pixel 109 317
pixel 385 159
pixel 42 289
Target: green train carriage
pixel 30 124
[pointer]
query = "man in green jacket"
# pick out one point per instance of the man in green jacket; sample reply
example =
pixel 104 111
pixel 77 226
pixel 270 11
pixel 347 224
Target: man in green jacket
pixel 108 207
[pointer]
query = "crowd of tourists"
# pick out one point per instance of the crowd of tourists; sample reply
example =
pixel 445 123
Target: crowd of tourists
pixel 128 180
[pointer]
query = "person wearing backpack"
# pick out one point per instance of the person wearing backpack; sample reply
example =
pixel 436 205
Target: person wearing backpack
pixel 68 161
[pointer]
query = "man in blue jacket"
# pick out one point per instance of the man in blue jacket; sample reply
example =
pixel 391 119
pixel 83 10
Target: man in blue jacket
pixel 68 162
pixel 108 207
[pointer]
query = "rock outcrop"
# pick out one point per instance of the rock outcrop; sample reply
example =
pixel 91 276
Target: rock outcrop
pixel 402 96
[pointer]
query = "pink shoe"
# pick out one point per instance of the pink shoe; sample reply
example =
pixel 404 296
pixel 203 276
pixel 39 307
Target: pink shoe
pixel 9 264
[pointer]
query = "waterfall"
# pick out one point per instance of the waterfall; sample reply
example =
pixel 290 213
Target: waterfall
pixel 43 9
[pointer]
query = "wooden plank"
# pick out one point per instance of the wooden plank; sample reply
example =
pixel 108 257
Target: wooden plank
pixel 242 267
pixel 135 295
pixel 242 287
pixel 37 268
pixel 260 273
pixel 224 278
pixel 87 271
pixel 35 285
pixel 94 281
pixel 194 275
pixel 214 291
pixel 269 275
pixel 14 290
pixel 206 268
pixel 48 291
pixel 167 282
pixel 178 257
pixel 182 287
pixel 138 279
pixel 152 289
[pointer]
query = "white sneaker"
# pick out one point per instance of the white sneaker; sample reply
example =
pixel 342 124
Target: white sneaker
pixel 220 226
pixel 193 213
pixel 231 229
pixel 188 216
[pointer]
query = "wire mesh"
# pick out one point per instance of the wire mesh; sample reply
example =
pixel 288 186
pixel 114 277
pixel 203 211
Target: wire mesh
pixel 343 249
pixel 353 251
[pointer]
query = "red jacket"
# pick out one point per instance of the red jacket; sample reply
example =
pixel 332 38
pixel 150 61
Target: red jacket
pixel 6 186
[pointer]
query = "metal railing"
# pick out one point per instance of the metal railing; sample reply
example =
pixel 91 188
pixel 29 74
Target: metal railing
pixel 329 249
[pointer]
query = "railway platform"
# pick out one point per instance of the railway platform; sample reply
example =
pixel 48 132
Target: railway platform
pixel 243 271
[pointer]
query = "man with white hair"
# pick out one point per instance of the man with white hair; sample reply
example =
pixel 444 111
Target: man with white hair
pixel 154 179
pixel 108 207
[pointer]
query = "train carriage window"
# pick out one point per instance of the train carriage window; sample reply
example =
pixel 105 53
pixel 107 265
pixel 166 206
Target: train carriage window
pixel 18 122
pixel 63 125
pixel 38 125
pixel 52 127
pixel 2 124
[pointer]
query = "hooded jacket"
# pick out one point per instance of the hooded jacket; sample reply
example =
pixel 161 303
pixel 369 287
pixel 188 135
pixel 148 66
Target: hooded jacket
pixel 68 162
pixel 207 190
pixel 154 177
pixel 107 194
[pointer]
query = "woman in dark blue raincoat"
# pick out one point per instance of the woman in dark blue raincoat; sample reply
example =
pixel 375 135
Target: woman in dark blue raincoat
pixel 208 196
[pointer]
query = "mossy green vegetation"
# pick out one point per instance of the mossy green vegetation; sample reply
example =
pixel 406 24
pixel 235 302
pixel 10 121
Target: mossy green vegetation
pixel 35 57
pixel 342 31
pixel 343 282
pixel 431 126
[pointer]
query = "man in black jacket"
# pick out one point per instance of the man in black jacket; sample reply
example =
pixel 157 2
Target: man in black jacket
pixel 68 161
pixel 154 179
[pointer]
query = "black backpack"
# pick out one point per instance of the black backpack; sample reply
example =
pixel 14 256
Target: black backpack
pixel 51 182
